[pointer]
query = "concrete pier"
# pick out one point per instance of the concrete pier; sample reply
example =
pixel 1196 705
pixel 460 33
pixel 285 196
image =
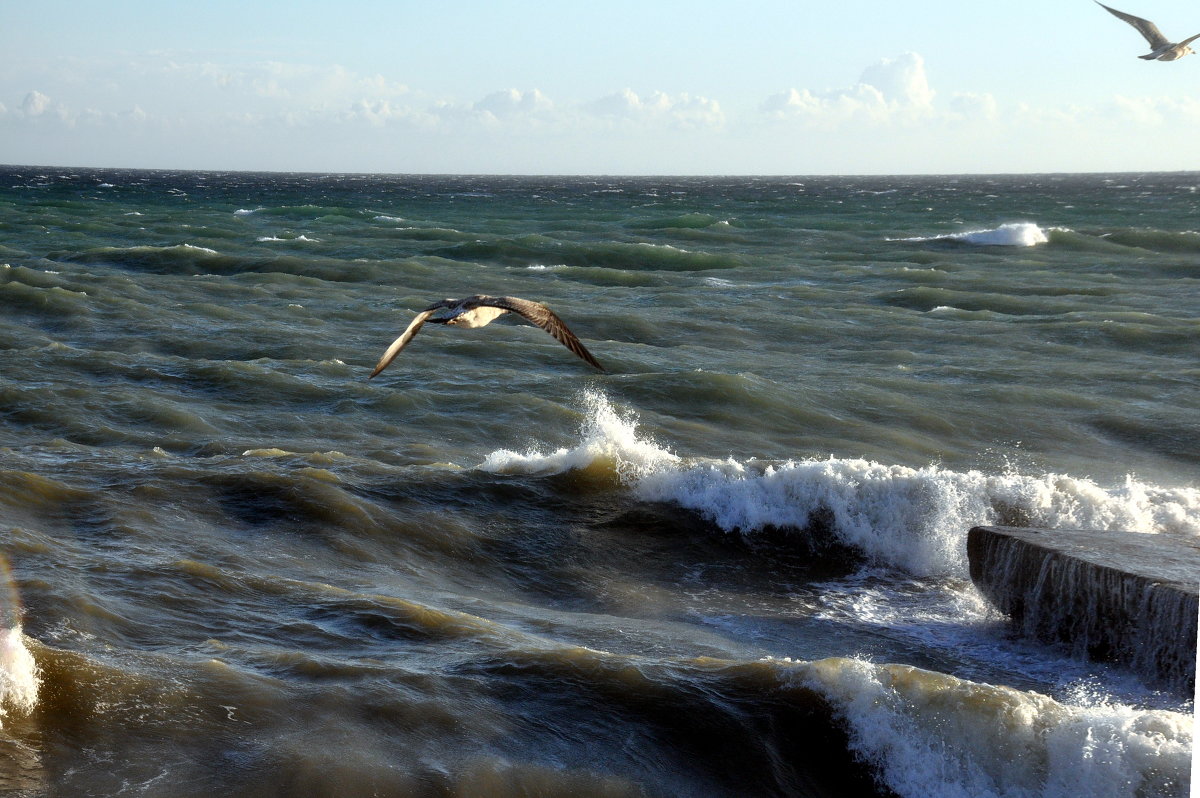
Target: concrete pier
pixel 1115 596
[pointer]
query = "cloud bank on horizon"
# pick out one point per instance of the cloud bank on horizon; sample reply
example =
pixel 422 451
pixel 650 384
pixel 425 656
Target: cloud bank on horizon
pixel 274 115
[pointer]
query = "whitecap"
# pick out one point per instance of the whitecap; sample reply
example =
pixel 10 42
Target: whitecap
pixel 300 237
pixel 605 435
pixel 916 519
pixel 931 734
pixel 19 680
pixel 911 519
pixel 1013 234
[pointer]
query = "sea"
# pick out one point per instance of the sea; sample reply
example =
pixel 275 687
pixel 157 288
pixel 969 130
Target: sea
pixel 732 563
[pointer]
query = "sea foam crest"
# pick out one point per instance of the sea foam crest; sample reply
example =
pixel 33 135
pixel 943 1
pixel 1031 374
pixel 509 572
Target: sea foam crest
pixel 19 679
pixel 914 519
pixel 1013 234
pixel 934 736
pixel 606 437
pixel 18 673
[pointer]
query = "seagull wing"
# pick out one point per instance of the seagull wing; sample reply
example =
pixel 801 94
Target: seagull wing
pixel 1189 40
pixel 544 317
pixel 413 327
pixel 1144 26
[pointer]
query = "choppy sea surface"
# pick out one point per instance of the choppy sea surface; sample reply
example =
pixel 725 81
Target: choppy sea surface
pixel 732 564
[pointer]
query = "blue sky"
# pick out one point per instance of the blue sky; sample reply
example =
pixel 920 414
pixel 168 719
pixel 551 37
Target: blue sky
pixel 642 87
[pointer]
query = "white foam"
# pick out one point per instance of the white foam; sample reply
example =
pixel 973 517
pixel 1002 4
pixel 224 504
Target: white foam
pixel 18 673
pixel 300 237
pixel 606 436
pixel 1013 234
pixel 914 519
pixel 934 736
pixel 245 211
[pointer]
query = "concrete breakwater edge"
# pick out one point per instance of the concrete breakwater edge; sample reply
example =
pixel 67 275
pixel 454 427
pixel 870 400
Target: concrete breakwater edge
pixel 1114 596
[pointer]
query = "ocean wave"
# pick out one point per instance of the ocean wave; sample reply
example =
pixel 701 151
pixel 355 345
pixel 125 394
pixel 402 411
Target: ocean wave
pixel 19 677
pixel 913 519
pixel 682 222
pixel 304 212
pixel 430 234
pixel 301 237
pixel 1157 240
pixel 196 260
pixel 927 298
pixel 150 258
pixel 634 256
pixel 931 734
pixel 1012 234
pixel 609 441
pixel 19 680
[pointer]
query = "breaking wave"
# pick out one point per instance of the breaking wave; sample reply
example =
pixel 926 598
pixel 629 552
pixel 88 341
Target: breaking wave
pixel 913 519
pixel 1013 234
pixel 19 680
pixel 931 734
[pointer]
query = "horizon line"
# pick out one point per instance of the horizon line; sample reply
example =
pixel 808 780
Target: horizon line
pixel 609 175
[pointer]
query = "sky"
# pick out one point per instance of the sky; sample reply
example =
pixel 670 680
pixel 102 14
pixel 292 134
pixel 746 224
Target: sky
pixel 631 87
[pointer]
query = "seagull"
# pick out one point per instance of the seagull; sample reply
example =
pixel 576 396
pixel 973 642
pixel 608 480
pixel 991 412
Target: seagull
pixel 1163 50
pixel 480 310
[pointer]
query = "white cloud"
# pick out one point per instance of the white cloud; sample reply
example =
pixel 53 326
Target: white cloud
pixel 683 110
pixel 512 101
pixel 151 109
pixel 35 104
pixel 901 81
pixel 969 105
pixel 378 113
pixel 893 89
pixel 861 102
pixel 1154 111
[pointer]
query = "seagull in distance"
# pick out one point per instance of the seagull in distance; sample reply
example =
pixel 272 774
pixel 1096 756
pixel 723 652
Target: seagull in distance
pixel 480 310
pixel 1162 48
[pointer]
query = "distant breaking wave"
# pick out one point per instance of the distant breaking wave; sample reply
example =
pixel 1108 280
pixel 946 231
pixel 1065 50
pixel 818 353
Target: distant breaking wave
pixel 913 519
pixel 1014 234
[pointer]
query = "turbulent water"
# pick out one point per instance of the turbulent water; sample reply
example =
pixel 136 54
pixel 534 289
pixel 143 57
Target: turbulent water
pixel 731 564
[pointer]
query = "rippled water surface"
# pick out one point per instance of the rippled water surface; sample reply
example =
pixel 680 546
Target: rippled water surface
pixel 732 563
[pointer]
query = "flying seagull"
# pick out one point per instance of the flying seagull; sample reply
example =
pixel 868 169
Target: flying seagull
pixel 1163 50
pixel 479 310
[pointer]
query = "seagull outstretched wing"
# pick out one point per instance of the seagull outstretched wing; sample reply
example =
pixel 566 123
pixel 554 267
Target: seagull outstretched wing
pixel 1144 27
pixel 462 313
pixel 547 319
